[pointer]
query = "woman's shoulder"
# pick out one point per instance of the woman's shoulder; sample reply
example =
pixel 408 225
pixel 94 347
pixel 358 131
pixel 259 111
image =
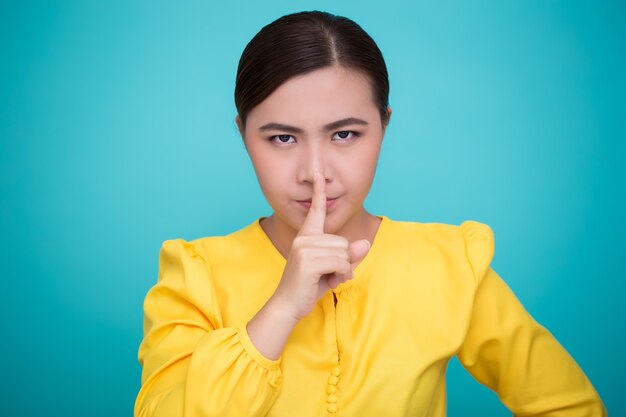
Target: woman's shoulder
pixel 469 230
pixel 469 240
pixel 212 247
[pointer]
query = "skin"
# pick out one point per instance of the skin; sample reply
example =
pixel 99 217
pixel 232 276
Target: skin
pixel 348 163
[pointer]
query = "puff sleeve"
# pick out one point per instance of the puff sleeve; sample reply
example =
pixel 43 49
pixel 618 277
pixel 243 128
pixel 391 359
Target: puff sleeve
pixel 509 352
pixel 193 366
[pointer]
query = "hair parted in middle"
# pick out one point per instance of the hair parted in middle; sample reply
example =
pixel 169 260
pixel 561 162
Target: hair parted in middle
pixel 299 43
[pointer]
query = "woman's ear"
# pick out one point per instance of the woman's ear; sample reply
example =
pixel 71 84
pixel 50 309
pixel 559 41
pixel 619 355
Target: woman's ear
pixel 239 125
pixel 241 130
pixel 388 116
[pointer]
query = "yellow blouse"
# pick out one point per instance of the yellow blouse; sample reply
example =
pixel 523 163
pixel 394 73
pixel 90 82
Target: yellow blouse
pixel 424 293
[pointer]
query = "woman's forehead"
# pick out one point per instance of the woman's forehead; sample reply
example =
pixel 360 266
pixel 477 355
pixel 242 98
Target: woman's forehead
pixel 319 97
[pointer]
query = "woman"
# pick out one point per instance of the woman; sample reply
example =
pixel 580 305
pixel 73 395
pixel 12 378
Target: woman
pixel 323 308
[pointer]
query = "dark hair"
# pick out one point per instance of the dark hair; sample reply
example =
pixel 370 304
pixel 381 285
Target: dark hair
pixel 299 43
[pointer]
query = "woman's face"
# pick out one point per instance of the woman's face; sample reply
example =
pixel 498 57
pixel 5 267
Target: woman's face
pixel 324 121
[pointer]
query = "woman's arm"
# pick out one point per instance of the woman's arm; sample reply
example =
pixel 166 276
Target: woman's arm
pixel 509 352
pixel 270 328
pixel 192 364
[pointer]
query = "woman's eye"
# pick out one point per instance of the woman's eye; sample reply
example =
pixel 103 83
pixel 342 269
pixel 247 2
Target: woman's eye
pixel 281 138
pixel 346 134
pixel 341 136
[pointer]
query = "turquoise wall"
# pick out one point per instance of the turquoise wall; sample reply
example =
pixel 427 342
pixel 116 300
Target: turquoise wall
pixel 117 132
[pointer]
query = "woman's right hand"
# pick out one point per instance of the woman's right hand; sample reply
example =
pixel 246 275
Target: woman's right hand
pixel 316 261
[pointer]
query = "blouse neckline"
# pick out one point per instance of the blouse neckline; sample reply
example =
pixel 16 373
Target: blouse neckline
pixel 280 261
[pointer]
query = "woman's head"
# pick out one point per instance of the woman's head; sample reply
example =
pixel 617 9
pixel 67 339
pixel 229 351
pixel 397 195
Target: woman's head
pixel 312 96
pixel 299 43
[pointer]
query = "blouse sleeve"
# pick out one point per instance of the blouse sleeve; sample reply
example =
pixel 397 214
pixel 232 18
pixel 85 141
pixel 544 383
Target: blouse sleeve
pixel 192 365
pixel 509 352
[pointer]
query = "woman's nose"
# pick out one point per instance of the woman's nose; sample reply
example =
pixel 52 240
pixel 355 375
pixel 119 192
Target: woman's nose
pixel 314 158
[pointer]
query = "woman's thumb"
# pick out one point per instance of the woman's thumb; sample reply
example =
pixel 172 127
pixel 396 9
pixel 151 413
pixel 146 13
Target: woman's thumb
pixel 358 249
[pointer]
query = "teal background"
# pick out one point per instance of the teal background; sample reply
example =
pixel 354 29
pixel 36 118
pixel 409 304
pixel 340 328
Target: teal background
pixel 117 132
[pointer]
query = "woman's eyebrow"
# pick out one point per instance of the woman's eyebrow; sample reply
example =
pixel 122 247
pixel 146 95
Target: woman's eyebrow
pixel 330 126
pixel 280 126
pixel 344 122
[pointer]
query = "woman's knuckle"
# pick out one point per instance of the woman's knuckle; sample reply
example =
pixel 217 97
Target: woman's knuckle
pixel 300 255
pixel 339 264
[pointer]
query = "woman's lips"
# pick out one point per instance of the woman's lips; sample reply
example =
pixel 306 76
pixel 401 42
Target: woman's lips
pixel 330 202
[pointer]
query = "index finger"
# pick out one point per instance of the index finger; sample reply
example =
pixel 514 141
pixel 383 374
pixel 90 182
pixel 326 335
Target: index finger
pixel 314 221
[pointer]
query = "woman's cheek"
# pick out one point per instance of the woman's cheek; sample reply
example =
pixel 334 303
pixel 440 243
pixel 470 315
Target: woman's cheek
pixel 275 180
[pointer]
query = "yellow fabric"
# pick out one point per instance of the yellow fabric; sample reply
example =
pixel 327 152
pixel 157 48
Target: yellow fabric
pixel 424 292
